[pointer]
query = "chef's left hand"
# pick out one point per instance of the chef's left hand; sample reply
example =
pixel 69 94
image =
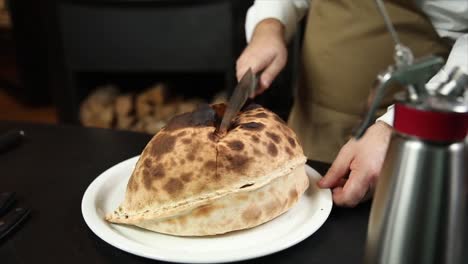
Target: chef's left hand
pixel 362 161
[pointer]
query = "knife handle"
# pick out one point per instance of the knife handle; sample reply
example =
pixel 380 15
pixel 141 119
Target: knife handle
pixel 7 199
pixel 11 220
pixel 10 139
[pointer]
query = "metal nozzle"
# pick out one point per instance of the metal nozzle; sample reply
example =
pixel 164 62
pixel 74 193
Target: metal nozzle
pixel 403 55
pixel 455 85
pixel 413 77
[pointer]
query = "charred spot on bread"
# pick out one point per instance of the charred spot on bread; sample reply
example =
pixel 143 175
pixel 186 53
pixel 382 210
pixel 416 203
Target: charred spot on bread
pixel 292 142
pixel 289 151
pixel 203 116
pixel 186 141
pixel 236 145
pixel 181 134
pixel 163 143
pixel 237 162
pixel 157 172
pixel 173 186
pixel 147 162
pixel 255 139
pixel 210 165
pixel 254 126
pixel 272 149
pixel 186 177
pixel 213 137
pixel 190 156
pixel 260 115
pixel 274 137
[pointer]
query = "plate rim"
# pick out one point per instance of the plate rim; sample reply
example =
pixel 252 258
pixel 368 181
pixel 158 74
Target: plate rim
pixel 120 242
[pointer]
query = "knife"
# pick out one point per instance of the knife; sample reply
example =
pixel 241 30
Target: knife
pixel 244 89
pixel 7 199
pixel 10 219
pixel 10 139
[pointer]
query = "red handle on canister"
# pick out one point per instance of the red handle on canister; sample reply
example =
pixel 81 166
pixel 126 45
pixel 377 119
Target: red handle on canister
pixel 430 125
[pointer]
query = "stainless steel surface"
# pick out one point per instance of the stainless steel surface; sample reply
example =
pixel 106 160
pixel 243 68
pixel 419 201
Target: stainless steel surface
pixel 420 204
pixel 444 104
pixel 419 208
pixel 245 88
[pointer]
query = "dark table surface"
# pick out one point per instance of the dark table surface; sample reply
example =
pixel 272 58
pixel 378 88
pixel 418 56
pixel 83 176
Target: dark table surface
pixel 54 165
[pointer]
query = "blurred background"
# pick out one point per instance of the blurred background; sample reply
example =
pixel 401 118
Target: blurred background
pixel 124 64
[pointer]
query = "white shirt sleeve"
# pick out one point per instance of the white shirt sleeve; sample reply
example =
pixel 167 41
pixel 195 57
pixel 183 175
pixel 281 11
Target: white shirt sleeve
pixel 450 19
pixel 288 12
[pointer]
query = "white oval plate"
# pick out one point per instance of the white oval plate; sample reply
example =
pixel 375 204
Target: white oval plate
pixel 107 191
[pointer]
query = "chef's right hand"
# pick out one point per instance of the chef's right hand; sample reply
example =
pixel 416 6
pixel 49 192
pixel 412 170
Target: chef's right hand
pixel 266 52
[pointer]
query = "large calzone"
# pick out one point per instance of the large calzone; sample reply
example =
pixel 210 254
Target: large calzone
pixel 190 182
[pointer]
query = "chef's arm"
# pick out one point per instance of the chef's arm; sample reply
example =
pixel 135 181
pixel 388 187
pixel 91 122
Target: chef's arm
pixel 362 160
pixel 450 19
pixel 288 12
pixel 269 25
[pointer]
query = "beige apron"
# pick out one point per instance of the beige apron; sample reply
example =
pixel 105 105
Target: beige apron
pixel 345 46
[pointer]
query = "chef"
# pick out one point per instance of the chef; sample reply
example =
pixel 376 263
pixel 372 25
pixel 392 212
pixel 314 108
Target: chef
pixel 346 45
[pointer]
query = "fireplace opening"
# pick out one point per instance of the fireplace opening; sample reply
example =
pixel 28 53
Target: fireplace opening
pixel 144 102
pixel 203 85
pixel 115 50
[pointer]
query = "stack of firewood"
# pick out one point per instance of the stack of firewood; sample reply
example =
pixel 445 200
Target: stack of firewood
pixel 4 15
pixel 148 111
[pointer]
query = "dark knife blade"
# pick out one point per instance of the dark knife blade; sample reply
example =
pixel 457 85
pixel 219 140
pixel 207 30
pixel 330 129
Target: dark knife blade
pixel 7 199
pixel 245 88
pixel 11 220
pixel 10 139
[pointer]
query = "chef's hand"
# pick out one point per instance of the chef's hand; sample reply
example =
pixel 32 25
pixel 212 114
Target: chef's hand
pixel 362 161
pixel 266 52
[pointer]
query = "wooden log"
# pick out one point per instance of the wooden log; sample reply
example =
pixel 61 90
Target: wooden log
pixel 98 109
